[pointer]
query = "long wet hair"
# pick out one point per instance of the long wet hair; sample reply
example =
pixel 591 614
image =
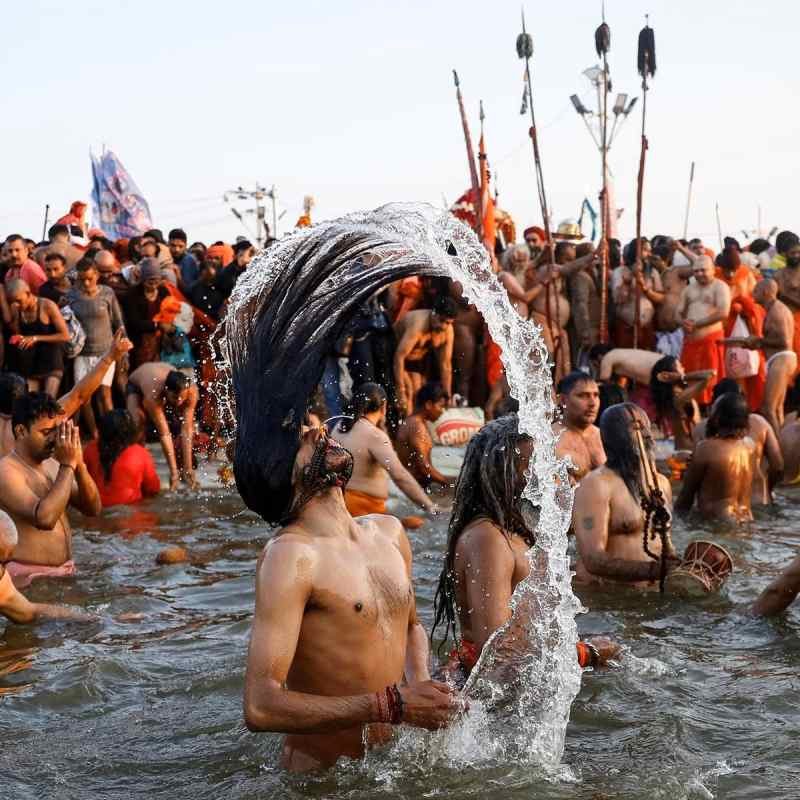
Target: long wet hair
pixel 730 417
pixel 487 486
pixel 117 431
pixel 287 311
pixel 619 442
pixel 663 393
pixel 368 398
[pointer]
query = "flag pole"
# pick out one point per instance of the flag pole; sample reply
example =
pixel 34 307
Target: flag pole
pixel 473 170
pixel 688 202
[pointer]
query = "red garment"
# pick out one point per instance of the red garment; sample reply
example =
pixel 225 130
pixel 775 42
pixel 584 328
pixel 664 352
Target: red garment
pixel 30 272
pixel 705 353
pixel 133 475
pixel 494 365
pixel 622 335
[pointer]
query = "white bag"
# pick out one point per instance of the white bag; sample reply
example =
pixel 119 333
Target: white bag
pixel 739 361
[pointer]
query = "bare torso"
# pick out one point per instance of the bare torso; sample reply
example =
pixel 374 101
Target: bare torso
pixel 778 329
pixel 674 281
pixel 584 448
pixel 414 445
pixel 727 478
pixel 369 476
pixel 637 365
pixel 150 379
pixel 702 301
pixel 554 298
pixel 418 324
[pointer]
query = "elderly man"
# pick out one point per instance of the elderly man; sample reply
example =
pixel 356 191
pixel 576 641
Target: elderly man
pixel 14 606
pixel 42 475
pixel 704 306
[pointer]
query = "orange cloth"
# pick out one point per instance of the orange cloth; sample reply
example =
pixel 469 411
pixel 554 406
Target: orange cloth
pixel 224 252
pixel 705 353
pixel 410 292
pixel 359 504
pixel 467 656
pixel 494 365
pixel 7 588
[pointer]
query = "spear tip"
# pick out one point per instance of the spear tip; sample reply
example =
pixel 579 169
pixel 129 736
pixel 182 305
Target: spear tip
pixel 455 78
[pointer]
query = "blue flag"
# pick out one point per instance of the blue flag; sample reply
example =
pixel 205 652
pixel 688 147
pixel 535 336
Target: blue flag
pixel 586 208
pixel 118 208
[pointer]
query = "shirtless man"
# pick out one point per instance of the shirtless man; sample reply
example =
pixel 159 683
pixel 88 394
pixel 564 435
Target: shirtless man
pixel 674 279
pixel 607 515
pixel 777 343
pixel 635 365
pixel 155 390
pixel 418 334
pixel 14 606
pixel 335 629
pixel 769 460
pixel 414 443
pixel 788 280
pixel 704 306
pixel 578 436
pixel 42 475
pixel 487 546
pixel 374 458
pixel 13 386
pixel 720 474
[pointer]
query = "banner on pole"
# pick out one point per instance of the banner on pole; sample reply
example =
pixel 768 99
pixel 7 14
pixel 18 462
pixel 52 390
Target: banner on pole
pixel 118 207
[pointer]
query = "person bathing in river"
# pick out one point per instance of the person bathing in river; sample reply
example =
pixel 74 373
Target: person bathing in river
pixel 487 543
pixel 578 436
pixel 768 458
pixel 607 515
pixel 374 458
pixel 42 475
pixel 156 390
pixel 14 606
pixel 414 444
pixel 720 474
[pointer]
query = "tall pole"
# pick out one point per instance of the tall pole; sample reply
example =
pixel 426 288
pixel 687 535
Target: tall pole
pixel 719 229
pixel 46 217
pixel 602 39
pixel 688 202
pixel 646 62
pixel 473 170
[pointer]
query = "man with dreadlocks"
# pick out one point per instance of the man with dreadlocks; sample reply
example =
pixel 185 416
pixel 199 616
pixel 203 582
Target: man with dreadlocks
pixel 487 544
pixel 621 515
pixel 720 475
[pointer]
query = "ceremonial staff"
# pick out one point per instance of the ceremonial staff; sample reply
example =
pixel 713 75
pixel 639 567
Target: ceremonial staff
pixel 688 202
pixel 602 43
pixel 525 50
pixel 473 170
pixel 646 63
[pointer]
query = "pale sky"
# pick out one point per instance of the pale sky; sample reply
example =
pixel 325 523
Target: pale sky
pixel 353 102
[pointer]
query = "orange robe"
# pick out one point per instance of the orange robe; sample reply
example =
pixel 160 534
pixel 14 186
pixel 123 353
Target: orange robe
pixel 360 504
pixel 753 314
pixel 705 353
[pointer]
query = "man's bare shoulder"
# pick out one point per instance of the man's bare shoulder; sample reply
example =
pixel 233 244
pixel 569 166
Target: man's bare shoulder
pixel 758 426
pixel 291 544
pixel 600 479
pixel 384 525
pixel 483 536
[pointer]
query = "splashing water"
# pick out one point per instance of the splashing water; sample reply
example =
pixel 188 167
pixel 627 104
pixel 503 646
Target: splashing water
pixel 524 716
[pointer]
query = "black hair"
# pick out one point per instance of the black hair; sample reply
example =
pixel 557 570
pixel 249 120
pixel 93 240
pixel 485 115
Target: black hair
pixel 730 417
pixel 729 241
pixel 620 445
pixel 614 253
pixel 629 253
pixel 561 249
pixel 177 381
pixel 155 233
pixel 759 246
pixel 785 241
pixel 12 387
pixel 571 380
pixel 85 264
pixel 31 407
pixel 55 257
pixel 57 230
pixel 367 398
pixel 597 351
pixel 240 247
pixel 610 395
pixel 134 249
pixel 663 393
pixel 445 307
pixel 725 386
pixel 487 486
pixel 431 392
pixel 117 431
pixel 279 336
pixel 15 237
pixel 508 405
pixel 179 234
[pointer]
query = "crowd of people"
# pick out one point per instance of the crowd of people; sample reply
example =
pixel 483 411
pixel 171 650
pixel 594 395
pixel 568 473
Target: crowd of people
pixel 106 345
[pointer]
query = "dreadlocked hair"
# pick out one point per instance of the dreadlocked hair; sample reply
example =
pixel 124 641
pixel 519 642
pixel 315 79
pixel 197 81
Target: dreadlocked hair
pixel 367 399
pixel 619 443
pixel 663 393
pixel 487 486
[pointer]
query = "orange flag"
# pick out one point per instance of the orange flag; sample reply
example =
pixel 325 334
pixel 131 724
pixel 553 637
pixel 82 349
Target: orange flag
pixel 487 202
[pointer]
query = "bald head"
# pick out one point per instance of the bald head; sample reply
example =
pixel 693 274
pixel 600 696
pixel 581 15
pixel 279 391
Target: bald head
pixel 19 293
pixel 105 262
pixel 8 536
pixel 703 270
pixel 766 292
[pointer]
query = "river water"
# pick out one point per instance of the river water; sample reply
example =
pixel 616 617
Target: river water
pixel 705 704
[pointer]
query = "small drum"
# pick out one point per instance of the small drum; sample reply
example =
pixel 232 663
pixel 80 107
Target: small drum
pixel 704 568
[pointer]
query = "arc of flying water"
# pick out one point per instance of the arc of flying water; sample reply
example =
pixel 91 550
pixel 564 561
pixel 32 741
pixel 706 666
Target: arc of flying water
pixel 409 239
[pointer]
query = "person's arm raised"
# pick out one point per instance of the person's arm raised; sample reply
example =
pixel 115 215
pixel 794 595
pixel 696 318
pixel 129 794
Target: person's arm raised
pixel 380 448
pixel 83 391
pixel 780 594
pixel 591 515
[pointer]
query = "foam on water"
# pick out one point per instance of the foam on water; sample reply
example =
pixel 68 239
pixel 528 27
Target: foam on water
pixel 522 689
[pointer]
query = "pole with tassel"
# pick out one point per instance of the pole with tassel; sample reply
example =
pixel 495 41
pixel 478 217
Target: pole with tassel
pixel 525 51
pixel 646 64
pixel 602 43
pixel 473 170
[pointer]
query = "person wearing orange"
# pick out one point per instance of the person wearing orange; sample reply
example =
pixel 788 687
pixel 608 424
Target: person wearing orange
pixel 704 305
pixel 741 282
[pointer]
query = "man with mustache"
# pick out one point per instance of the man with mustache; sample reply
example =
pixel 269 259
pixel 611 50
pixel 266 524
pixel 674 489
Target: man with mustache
pixel 42 475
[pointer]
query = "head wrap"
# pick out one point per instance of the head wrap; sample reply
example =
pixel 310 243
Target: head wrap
pixel 534 229
pixel 150 268
pixel 224 252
